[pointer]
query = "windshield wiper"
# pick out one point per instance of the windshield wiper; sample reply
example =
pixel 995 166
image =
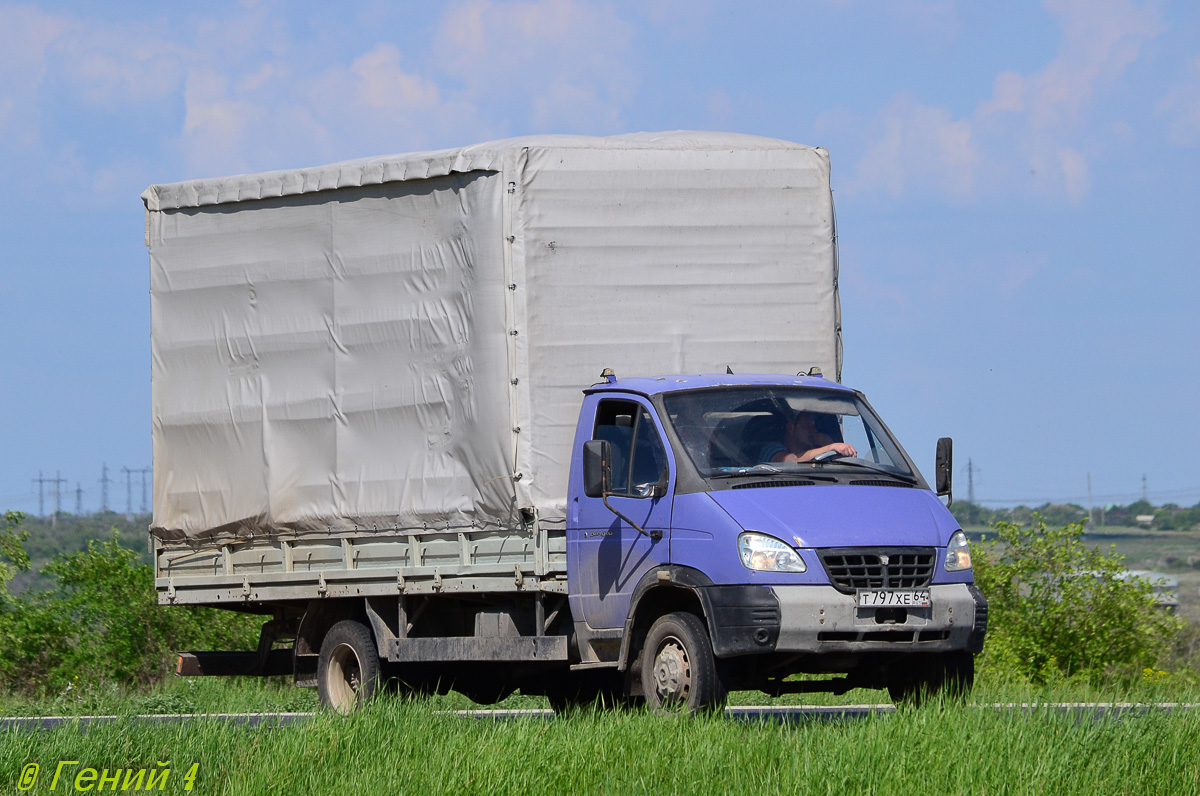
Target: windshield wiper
pixel 793 471
pixel 758 469
pixel 866 465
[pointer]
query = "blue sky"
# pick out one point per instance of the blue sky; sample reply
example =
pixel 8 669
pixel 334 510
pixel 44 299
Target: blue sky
pixel 1015 183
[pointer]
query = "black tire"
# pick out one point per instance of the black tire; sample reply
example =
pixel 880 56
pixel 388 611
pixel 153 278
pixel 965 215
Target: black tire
pixel 348 667
pixel 679 670
pixel 948 677
pixel 959 675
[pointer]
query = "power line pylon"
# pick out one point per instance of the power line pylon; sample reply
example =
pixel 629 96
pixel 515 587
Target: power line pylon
pixel 58 481
pixel 104 482
pixel 128 490
pixel 41 482
pixel 145 471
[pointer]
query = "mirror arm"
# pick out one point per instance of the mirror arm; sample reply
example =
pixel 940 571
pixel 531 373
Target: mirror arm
pixel 655 535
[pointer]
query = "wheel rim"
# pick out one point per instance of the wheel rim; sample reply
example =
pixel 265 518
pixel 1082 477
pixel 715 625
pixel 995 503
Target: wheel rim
pixel 344 678
pixel 672 673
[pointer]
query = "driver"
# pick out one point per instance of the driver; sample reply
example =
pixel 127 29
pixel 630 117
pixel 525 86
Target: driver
pixel 802 442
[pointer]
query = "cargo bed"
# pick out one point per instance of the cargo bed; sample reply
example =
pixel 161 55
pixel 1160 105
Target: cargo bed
pixel 365 565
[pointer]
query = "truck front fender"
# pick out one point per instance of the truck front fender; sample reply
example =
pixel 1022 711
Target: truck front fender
pixel 741 619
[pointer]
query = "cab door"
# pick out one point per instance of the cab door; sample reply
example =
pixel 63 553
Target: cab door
pixel 606 556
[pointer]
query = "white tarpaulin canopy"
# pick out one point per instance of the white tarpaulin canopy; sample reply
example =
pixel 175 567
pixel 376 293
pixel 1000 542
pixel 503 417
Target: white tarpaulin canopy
pixel 402 342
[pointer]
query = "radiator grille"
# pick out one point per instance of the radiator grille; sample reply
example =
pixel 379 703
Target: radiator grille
pixel 859 568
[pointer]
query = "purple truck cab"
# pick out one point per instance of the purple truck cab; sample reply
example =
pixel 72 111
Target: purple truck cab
pixel 703 558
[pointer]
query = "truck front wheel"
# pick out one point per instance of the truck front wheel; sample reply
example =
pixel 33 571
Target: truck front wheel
pixel 679 670
pixel 348 667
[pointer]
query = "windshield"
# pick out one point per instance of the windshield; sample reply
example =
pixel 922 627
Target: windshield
pixel 729 430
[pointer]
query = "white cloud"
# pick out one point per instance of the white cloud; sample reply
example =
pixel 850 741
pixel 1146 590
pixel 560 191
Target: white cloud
pixel 720 108
pixel 103 64
pixel 542 55
pixel 913 144
pixel 1013 275
pixel 1181 107
pixel 1074 169
pixel 262 77
pixel 216 126
pixel 1033 133
pixel 1101 38
pixel 935 20
pixel 563 100
pixel 113 65
pixel 678 20
pixel 1008 95
pixel 249 96
pixel 375 80
pixel 383 84
pixel 278 116
pixel 25 35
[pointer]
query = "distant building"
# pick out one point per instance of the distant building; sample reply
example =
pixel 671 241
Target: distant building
pixel 1165 587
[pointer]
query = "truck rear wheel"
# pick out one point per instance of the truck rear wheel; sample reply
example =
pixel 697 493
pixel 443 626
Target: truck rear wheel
pixel 348 667
pixel 679 670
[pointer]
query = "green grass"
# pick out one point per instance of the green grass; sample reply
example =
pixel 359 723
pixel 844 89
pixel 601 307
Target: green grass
pixel 175 695
pixel 418 747
pixel 424 747
pixel 212 695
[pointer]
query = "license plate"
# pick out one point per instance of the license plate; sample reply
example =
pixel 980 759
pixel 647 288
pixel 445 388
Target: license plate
pixel 886 598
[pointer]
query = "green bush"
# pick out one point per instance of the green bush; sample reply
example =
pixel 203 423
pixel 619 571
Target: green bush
pixel 13 557
pixel 1059 609
pixel 100 622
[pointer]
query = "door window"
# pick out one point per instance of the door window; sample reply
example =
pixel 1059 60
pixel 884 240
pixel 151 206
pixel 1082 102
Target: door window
pixel 638 455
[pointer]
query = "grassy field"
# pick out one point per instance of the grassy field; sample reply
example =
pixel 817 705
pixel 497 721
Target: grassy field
pixel 277 695
pixel 420 747
pixel 425 747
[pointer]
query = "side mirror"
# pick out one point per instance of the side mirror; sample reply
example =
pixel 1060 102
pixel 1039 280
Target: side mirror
pixel 944 468
pixel 597 468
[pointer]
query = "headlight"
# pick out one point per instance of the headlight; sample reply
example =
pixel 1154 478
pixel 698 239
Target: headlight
pixel 958 554
pixel 768 554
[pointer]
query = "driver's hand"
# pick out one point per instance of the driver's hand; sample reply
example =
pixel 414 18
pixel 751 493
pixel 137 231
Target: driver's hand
pixel 844 448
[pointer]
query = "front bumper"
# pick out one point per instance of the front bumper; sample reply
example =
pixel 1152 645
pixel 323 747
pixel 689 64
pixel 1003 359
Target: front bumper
pixel 754 620
pixel 820 619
